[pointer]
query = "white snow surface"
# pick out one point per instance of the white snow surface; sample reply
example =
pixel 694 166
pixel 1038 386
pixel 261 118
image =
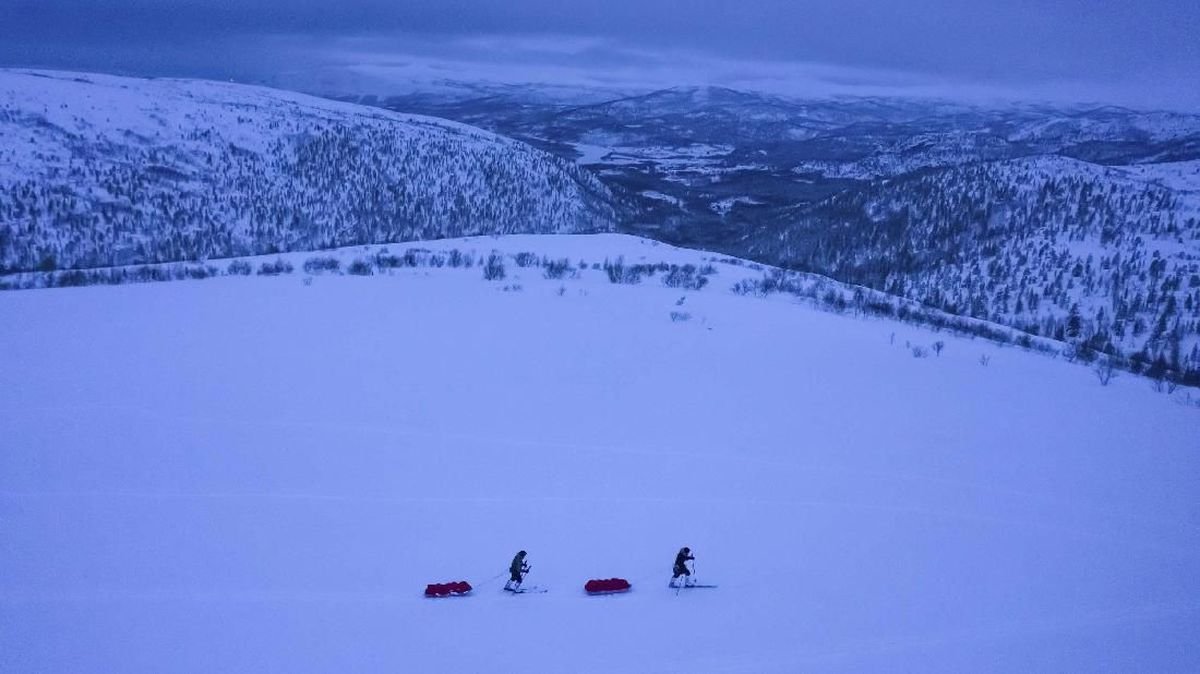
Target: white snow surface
pixel 258 474
pixel 1183 176
pixel 725 206
pixel 112 107
pixel 659 196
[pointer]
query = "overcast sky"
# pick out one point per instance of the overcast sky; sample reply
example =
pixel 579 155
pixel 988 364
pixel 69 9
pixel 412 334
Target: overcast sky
pixel 1144 53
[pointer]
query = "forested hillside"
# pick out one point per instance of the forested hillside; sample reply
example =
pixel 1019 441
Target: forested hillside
pixel 1103 257
pixel 98 170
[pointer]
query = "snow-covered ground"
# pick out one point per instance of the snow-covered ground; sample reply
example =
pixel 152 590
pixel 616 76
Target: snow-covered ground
pixel 724 206
pixel 1182 176
pixel 259 474
pixel 659 196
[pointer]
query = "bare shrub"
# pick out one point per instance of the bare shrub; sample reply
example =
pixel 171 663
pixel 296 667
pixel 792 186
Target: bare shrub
pixel 493 269
pixel 685 276
pixel 279 266
pixel 1105 371
pixel 746 287
pixel 618 272
pixel 319 265
pixel 360 267
pixel 239 268
pixel 556 269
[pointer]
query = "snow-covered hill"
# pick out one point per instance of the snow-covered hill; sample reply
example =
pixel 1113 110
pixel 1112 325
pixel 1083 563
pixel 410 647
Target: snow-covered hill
pixel 98 170
pixel 262 474
pixel 1108 257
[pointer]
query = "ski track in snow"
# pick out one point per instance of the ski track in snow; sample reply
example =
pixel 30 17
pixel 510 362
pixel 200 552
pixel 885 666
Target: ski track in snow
pixel 479 440
pixel 248 498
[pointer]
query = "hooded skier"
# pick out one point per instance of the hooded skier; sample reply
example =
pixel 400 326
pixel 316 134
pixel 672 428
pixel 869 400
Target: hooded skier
pixel 517 571
pixel 681 568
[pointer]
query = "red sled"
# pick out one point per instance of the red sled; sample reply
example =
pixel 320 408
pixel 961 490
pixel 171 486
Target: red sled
pixel 609 586
pixel 457 589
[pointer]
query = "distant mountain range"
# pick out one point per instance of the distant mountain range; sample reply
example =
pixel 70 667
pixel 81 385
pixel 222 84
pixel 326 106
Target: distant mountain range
pixel 98 170
pixel 704 146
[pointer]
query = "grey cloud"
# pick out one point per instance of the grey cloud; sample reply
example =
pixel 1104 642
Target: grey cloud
pixel 1032 44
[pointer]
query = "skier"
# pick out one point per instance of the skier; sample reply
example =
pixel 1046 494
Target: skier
pixel 517 571
pixel 681 568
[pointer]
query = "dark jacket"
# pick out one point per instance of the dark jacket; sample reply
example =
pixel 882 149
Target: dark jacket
pixel 518 566
pixel 681 561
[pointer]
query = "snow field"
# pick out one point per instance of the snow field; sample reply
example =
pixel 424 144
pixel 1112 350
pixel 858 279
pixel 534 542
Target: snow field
pixel 255 474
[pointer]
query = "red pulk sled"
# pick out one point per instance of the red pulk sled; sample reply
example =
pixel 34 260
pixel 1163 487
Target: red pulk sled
pixel 610 586
pixel 457 589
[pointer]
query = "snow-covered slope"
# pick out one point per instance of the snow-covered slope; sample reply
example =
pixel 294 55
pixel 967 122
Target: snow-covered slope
pixel 99 170
pixel 1026 242
pixel 261 474
pixel 1183 176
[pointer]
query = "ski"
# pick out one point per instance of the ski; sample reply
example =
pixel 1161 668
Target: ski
pixel 526 590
